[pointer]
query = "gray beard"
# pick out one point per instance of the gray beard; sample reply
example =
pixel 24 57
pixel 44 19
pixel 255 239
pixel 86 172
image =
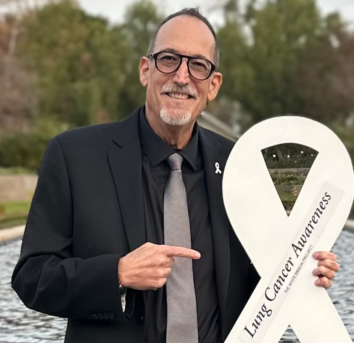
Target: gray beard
pixel 175 121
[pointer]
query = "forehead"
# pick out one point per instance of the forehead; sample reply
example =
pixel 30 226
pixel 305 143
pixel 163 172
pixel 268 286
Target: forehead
pixel 187 35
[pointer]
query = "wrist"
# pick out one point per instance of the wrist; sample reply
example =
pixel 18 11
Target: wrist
pixel 121 284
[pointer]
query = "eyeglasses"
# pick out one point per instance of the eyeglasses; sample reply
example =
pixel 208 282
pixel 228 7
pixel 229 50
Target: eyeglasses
pixel 168 63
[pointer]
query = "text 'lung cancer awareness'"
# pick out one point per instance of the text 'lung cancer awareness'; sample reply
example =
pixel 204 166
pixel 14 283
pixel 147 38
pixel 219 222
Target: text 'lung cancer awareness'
pixel 288 270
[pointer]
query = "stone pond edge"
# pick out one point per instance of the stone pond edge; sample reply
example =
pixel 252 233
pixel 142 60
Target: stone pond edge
pixel 13 233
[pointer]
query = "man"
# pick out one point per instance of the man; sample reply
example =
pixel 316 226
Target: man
pixel 97 224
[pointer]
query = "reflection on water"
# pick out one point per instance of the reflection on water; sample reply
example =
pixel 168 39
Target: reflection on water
pixel 21 325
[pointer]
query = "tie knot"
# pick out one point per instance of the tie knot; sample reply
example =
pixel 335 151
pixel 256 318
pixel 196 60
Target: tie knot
pixel 175 161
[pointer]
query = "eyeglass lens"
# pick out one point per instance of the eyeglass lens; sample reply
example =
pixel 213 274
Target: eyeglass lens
pixel 168 63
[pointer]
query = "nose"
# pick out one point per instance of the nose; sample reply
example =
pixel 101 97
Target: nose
pixel 181 75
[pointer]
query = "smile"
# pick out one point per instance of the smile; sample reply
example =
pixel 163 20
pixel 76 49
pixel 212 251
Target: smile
pixel 179 96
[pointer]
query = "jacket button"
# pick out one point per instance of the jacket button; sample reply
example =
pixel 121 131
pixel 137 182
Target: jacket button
pixel 95 316
pixel 100 316
pixel 106 316
pixel 111 316
pixel 140 319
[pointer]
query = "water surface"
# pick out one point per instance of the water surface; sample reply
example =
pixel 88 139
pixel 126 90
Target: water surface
pixel 21 325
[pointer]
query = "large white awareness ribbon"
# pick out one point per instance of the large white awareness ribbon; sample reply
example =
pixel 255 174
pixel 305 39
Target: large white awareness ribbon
pixel 281 246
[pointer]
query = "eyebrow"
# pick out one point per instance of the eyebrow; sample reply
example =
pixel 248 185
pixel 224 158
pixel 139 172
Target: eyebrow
pixel 177 52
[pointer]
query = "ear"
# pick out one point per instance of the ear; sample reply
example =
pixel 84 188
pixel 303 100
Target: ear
pixel 214 86
pixel 144 70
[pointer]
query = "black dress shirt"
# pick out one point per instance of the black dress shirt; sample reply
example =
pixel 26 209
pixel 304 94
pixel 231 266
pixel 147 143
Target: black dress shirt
pixel 155 173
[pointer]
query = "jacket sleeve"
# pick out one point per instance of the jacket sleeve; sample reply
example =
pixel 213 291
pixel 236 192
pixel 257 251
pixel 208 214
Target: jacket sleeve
pixel 48 278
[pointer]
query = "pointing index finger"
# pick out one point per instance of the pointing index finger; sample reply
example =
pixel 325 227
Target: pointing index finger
pixel 182 252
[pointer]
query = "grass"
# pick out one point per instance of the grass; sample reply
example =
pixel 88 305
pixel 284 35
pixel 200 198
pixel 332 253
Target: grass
pixel 16 171
pixel 11 222
pixel 13 213
pixel 15 207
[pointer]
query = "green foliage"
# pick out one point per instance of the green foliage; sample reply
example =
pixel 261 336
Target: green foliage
pixel 22 149
pixel 141 21
pixel 276 58
pixel 79 61
pixel 265 49
pixel 87 70
pixel 289 156
pixel 13 213
pixel 15 171
pixel 289 178
pixel 26 149
pixel 16 207
pixel 346 133
pixel 11 221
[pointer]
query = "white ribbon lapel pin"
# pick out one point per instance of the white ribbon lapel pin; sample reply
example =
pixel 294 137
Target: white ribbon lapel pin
pixel 217 168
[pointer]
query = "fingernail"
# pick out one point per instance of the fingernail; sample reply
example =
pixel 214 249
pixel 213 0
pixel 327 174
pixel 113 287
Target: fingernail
pixel 316 254
pixel 197 254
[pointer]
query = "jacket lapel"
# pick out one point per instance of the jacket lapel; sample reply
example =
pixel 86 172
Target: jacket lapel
pixel 211 152
pixel 124 157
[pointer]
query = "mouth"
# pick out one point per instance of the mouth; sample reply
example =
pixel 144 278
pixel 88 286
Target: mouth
pixel 180 96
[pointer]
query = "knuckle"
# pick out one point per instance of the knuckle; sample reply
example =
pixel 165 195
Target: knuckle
pixel 161 261
pixel 331 265
pixel 171 261
pixel 334 265
pixel 161 273
pixel 156 248
pixel 322 270
pixel 160 283
pixel 327 272
pixel 323 281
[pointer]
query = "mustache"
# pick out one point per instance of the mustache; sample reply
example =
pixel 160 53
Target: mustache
pixel 187 89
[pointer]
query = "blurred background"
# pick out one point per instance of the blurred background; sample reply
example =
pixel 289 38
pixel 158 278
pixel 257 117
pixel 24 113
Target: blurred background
pixel 67 63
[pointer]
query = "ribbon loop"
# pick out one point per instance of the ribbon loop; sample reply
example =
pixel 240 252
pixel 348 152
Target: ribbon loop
pixel 281 247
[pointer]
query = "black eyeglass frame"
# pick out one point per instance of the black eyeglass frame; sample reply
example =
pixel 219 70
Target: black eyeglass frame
pixel 155 55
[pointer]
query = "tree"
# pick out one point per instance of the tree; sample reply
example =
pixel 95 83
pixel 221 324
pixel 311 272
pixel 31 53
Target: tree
pixel 79 61
pixel 238 74
pixel 324 79
pixel 141 21
pixel 265 49
pixel 17 100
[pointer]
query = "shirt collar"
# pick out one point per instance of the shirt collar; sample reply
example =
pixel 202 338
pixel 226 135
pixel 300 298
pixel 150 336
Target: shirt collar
pixel 158 150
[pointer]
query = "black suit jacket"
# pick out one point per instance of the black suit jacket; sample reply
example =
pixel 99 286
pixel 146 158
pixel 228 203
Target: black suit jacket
pixel 88 211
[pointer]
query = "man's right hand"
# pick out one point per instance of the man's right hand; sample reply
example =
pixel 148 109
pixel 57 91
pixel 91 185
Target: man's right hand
pixel 148 266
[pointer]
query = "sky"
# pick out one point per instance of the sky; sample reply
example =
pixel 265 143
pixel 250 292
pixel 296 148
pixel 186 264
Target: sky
pixel 114 9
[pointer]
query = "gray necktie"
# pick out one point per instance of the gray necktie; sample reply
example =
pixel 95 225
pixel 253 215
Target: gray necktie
pixel 182 325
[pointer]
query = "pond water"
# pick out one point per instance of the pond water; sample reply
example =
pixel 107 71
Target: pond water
pixel 21 325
